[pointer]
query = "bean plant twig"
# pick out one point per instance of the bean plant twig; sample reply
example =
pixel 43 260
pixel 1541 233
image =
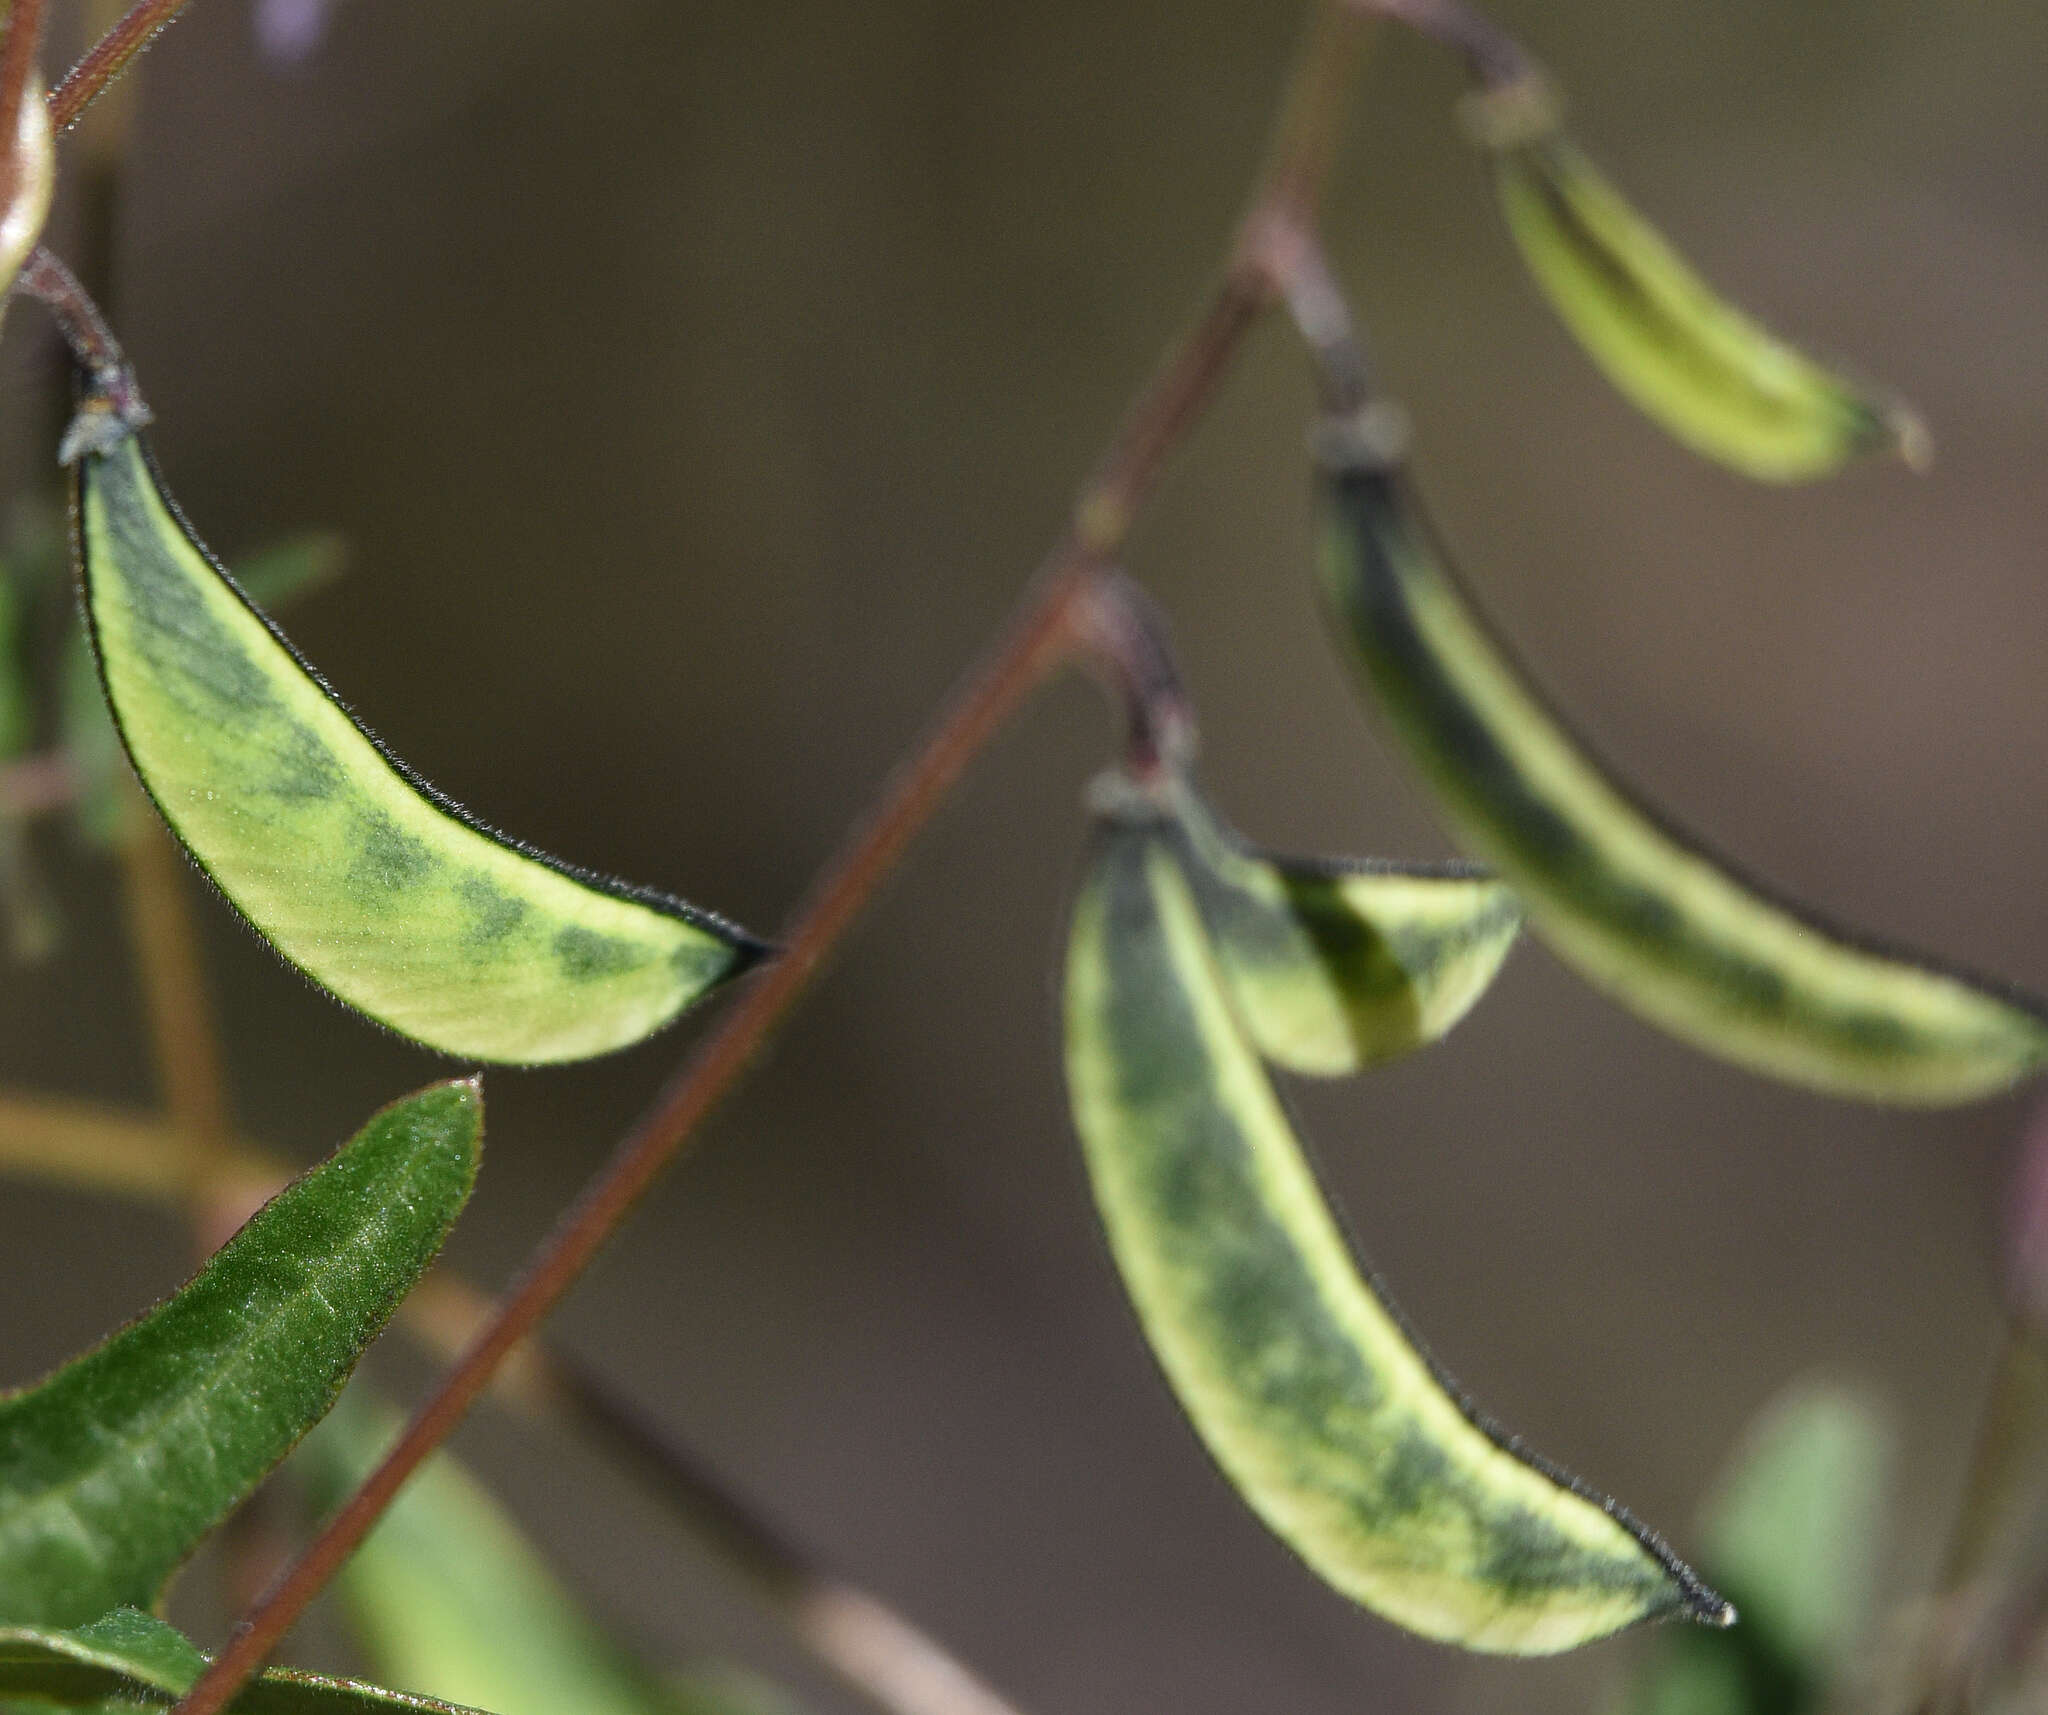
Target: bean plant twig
pixel 1039 638
pixel 18 52
pixel 107 58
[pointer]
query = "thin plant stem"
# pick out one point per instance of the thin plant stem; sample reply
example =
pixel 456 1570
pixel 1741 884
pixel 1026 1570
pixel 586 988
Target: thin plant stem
pixel 107 58
pixel 1040 637
pixel 18 60
pixel 122 1152
pixel 177 1005
pixel 889 1661
pixel 1494 57
pixel 35 785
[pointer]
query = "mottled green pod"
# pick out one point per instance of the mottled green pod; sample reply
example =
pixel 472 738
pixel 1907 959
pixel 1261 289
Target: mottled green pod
pixel 1683 355
pixel 383 892
pixel 1301 1380
pixel 1640 909
pixel 1335 966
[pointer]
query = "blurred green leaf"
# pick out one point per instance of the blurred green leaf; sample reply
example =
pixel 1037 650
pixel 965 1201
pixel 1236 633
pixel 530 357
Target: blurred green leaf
pixel 447 1592
pixel 17 702
pixel 1794 1523
pixel 128 1659
pixel 1790 1536
pixel 114 1469
pixel 86 731
pixel 283 571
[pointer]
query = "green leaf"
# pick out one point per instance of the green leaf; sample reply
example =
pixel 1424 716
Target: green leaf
pixel 1791 1535
pixel 129 1659
pixel 1302 1381
pixel 114 1469
pixel 1684 356
pixel 448 1593
pixel 1335 966
pixel 91 745
pixel 285 571
pixel 1639 908
pixel 1794 1524
pixel 17 704
pixel 371 884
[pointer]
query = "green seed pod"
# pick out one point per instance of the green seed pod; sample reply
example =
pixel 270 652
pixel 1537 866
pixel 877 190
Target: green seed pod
pixel 381 891
pixel 1689 360
pixel 1640 909
pixel 1335 966
pixel 1301 1380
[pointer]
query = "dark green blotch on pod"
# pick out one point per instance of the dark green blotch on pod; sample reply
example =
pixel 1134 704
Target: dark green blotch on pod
pixel 1640 909
pixel 1689 360
pixel 1301 1381
pixel 1336 966
pixel 381 891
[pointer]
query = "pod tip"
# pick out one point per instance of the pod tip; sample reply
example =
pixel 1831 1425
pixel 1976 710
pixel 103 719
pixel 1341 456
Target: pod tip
pixel 1704 1608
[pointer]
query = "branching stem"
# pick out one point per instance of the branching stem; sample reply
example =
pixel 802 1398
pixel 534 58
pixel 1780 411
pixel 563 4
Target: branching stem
pixel 1041 636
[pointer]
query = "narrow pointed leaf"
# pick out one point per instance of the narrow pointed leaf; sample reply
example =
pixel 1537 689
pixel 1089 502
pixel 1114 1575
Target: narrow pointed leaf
pixel 114 1469
pixel 1687 358
pixel 376 887
pixel 1302 1381
pixel 1640 909
pixel 448 1595
pixel 1334 965
pixel 128 1660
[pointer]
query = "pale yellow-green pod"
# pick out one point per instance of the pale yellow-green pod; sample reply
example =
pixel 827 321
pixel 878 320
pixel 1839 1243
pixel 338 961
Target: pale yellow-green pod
pixel 1303 1383
pixel 1639 908
pixel 380 890
pixel 1687 358
pixel 1335 966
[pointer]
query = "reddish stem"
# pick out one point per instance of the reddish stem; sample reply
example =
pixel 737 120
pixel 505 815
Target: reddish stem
pixel 18 60
pixel 107 58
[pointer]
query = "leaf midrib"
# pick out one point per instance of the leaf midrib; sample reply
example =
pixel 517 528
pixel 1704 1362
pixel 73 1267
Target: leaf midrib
pixel 60 1494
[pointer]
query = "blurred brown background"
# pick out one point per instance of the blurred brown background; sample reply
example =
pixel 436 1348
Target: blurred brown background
pixel 696 383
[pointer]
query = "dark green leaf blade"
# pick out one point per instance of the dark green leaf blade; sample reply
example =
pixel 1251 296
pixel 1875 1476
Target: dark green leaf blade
pixel 127 1659
pixel 113 1469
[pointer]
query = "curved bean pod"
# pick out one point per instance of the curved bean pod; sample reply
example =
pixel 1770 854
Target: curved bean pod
pixel 378 889
pixel 1683 355
pixel 1640 909
pixel 1303 1383
pixel 1334 966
